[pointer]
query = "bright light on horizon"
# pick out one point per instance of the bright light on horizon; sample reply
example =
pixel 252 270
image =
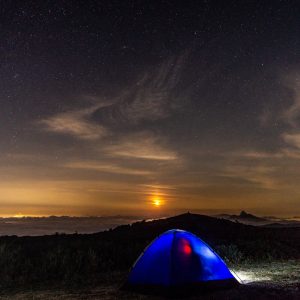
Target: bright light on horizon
pixel 157 202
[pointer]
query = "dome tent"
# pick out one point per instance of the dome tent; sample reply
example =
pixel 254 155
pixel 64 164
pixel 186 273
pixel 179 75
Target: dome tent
pixel 176 261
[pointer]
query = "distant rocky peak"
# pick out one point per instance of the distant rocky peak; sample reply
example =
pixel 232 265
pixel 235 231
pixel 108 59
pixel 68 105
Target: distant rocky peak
pixel 244 214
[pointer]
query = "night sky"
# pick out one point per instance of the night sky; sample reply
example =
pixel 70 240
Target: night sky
pixel 132 107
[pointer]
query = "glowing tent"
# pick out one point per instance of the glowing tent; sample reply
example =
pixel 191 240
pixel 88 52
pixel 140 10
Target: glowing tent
pixel 178 260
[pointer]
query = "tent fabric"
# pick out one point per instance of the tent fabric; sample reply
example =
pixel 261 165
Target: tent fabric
pixel 178 258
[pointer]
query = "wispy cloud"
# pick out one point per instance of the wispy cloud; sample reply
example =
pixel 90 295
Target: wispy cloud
pixel 158 186
pixel 259 174
pixel 252 154
pixel 293 139
pixel 107 168
pixel 141 146
pixel 153 96
pixel 292 116
pixel 76 123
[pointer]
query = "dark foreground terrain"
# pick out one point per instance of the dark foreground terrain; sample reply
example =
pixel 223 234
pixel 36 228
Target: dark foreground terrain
pixel 264 281
pixel 93 266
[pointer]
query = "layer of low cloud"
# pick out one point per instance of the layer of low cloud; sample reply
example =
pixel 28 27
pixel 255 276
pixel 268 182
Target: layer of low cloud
pixel 35 226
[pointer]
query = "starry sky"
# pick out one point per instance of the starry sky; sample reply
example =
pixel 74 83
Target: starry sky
pixel 149 107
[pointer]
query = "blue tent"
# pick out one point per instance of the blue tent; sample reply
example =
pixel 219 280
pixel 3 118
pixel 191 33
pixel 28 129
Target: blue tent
pixel 178 259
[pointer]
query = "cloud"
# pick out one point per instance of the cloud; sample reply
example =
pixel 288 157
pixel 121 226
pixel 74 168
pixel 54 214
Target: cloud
pixel 75 123
pixel 154 95
pixel 293 139
pixel 266 117
pixel 292 117
pixel 107 168
pixel 259 154
pixel 35 226
pixel 292 114
pixel 158 186
pixel 159 190
pixel 259 174
pixel 142 146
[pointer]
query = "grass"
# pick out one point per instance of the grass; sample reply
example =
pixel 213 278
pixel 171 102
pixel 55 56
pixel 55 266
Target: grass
pixel 273 280
pixel 277 272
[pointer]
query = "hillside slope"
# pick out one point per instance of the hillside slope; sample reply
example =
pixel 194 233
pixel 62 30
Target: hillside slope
pixel 76 259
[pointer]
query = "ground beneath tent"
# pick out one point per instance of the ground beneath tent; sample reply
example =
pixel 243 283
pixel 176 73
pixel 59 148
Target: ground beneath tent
pixel 267 281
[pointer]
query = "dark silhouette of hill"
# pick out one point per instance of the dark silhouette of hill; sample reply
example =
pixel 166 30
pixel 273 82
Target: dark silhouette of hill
pixel 213 230
pixel 83 258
